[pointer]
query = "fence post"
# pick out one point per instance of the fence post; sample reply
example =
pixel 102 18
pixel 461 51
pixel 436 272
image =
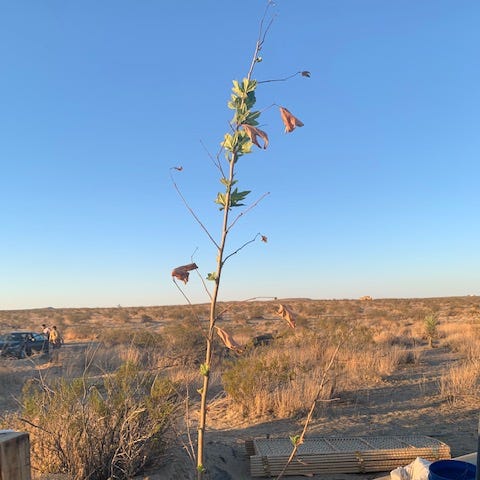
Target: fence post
pixel 14 455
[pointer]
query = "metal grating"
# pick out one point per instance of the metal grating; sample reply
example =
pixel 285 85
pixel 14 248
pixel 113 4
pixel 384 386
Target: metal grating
pixel 342 454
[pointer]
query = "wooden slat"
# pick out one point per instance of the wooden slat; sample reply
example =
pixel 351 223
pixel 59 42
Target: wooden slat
pixel 14 456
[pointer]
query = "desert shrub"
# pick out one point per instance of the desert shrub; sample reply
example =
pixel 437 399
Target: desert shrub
pixel 278 380
pixel 122 316
pixel 77 332
pixel 98 429
pixel 129 336
pixel 185 341
pixel 76 317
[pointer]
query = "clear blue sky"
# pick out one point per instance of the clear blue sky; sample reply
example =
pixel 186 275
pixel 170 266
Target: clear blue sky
pixel 378 194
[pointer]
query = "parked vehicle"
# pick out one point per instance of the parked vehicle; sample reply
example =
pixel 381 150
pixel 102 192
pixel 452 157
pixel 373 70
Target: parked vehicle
pixel 22 344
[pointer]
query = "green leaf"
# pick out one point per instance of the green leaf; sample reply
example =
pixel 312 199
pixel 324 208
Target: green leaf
pixel 295 439
pixel 249 85
pixel 251 118
pixel 212 276
pixel 236 197
pixel 246 147
pixel 225 182
pixel 228 142
pixel 236 89
pixel 220 200
pixel 204 369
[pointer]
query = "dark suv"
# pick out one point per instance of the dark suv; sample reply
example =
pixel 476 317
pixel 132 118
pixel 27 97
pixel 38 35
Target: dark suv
pixel 22 344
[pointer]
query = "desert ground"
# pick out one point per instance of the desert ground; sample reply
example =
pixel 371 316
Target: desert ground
pixel 431 387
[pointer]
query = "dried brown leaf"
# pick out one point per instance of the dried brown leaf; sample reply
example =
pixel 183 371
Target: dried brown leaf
pixel 229 341
pixel 182 272
pixel 287 314
pixel 290 121
pixel 305 73
pixel 254 133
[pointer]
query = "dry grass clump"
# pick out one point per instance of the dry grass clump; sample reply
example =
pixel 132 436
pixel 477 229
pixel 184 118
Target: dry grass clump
pixel 277 380
pixel 282 379
pixel 462 337
pixel 461 382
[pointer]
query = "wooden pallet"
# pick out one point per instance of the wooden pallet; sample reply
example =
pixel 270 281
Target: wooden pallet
pixel 341 454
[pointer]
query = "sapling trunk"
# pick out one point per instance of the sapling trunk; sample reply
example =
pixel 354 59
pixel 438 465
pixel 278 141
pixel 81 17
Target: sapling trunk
pixel 211 327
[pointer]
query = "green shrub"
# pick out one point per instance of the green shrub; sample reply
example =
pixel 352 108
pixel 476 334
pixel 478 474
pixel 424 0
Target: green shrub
pixel 107 428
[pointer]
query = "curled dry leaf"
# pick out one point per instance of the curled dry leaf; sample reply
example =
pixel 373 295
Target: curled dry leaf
pixel 254 133
pixel 264 239
pixel 229 341
pixel 287 314
pixel 182 272
pixel 305 73
pixel 180 168
pixel 290 121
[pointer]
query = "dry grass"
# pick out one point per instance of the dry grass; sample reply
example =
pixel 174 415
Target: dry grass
pixel 461 382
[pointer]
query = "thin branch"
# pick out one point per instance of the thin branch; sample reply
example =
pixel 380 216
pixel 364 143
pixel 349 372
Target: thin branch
pixel 201 277
pixel 205 287
pixel 197 318
pixel 280 79
pixel 214 160
pixel 252 206
pixel 225 310
pixel 192 212
pixel 262 33
pixel 189 448
pixel 35 426
pixel 240 248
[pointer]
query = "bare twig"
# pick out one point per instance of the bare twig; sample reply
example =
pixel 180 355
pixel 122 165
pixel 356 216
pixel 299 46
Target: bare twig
pixel 280 79
pixel 241 248
pixel 214 160
pixel 262 33
pixel 252 206
pixel 298 441
pixel 192 212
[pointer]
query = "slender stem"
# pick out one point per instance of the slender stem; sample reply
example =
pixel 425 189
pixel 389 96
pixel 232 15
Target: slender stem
pixel 211 329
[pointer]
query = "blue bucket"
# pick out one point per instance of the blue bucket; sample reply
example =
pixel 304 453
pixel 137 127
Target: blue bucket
pixel 451 470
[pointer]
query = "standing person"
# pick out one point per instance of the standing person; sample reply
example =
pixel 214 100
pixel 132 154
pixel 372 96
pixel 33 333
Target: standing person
pixel 46 334
pixel 56 341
